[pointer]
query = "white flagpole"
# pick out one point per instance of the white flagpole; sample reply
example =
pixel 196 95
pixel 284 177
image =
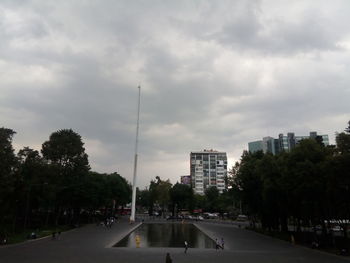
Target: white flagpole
pixel 133 202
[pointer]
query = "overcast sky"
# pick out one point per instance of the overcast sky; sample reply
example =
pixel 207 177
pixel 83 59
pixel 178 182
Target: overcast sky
pixel 214 75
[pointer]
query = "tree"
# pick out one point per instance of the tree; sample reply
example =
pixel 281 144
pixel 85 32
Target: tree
pixel 199 201
pixel 8 159
pixel 181 197
pixel 233 172
pixel 212 197
pixel 308 186
pixel 120 190
pixel 339 179
pixel 153 195
pixel 163 193
pixel 143 198
pixel 305 182
pixel 347 129
pixel 57 188
pixel 274 211
pixel 32 178
pixel 343 143
pixel 8 169
pixel 65 149
pixel 250 185
pixel 69 165
pixel 159 194
pixel 97 195
pixel 225 201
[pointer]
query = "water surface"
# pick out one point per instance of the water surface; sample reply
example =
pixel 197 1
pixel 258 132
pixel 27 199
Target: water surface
pixel 167 235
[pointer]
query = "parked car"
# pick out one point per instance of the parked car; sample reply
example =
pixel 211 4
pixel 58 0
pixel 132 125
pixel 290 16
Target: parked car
pixel 337 228
pixel 318 227
pixel 241 218
pixel 210 215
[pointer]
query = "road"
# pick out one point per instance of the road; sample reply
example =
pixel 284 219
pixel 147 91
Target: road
pixel 94 244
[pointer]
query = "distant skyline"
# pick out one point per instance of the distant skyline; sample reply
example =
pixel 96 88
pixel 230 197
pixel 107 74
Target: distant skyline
pixel 214 75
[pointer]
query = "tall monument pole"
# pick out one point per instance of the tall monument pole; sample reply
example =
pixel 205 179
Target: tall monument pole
pixel 133 202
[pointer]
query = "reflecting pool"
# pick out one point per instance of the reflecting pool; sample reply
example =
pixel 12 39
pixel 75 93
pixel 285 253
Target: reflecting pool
pixel 166 235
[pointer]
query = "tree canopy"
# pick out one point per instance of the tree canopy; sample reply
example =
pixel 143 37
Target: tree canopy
pixel 309 184
pixel 56 187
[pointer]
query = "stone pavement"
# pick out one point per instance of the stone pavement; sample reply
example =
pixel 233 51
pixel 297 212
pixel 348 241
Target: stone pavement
pixel 93 244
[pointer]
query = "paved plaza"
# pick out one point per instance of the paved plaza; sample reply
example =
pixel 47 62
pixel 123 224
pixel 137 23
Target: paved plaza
pixel 94 244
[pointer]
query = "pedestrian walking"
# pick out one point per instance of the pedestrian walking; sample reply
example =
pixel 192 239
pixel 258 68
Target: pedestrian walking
pixel 53 235
pixel 216 244
pixel 58 235
pixel 168 258
pixel 292 239
pixel 186 246
pixel 222 243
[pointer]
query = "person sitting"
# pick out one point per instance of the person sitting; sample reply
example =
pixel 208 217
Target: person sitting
pixel 168 258
pixel 33 235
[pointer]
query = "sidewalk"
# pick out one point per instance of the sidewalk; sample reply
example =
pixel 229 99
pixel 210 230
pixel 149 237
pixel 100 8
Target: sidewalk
pixel 93 244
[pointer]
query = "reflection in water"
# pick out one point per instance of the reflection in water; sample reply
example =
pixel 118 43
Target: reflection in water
pixel 167 235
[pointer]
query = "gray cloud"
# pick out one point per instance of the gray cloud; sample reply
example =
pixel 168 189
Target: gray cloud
pixel 213 75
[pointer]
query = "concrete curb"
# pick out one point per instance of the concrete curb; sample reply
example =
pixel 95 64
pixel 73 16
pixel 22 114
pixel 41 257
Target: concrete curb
pixel 122 235
pixel 211 236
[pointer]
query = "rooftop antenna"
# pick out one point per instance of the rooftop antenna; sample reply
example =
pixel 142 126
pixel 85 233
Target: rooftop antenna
pixel 133 202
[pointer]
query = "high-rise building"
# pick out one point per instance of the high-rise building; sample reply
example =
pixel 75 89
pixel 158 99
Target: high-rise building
pixel 267 144
pixel 208 168
pixel 284 143
pixel 255 146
